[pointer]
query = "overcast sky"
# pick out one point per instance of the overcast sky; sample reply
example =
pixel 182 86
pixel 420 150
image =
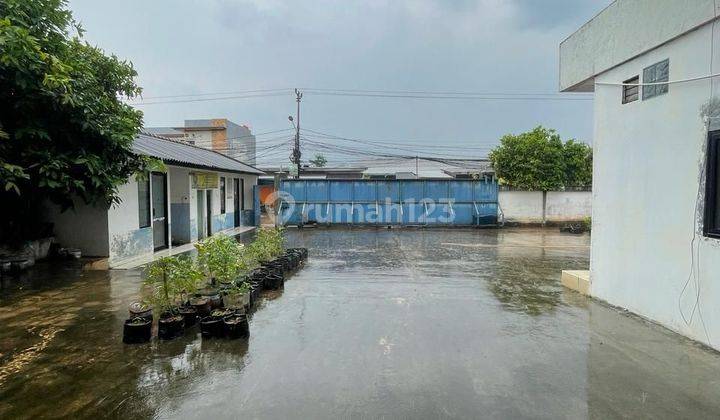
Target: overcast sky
pixel 499 46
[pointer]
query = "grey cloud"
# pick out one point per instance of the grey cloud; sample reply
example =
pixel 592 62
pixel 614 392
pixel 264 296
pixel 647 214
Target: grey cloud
pixel 486 45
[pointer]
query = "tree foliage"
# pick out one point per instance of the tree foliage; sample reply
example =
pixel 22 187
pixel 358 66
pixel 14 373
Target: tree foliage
pixel 578 164
pixel 319 161
pixel 538 160
pixel 64 131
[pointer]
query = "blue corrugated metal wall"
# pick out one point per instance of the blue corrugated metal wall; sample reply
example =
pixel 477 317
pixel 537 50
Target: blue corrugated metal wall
pixel 449 202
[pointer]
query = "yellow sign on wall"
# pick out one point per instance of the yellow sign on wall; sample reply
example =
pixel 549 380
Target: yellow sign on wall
pixel 205 180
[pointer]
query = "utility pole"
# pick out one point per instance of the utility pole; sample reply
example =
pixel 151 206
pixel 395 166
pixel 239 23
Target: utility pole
pixel 417 174
pixel 296 150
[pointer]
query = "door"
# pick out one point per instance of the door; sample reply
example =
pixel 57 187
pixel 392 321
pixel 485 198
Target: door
pixel 238 201
pixel 208 212
pixel 159 210
pixel 200 214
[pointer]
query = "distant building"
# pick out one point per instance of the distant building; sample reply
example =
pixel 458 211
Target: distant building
pixel 655 232
pixel 219 134
pixel 395 170
pixel 430 170
pixel 317 173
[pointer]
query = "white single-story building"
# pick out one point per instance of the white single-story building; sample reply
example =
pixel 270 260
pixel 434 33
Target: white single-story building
pixel 200 193
pixel 656 201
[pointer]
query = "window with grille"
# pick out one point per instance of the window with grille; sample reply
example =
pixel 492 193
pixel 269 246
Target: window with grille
pixel 657 73
pixel 630 92
pixel 712 187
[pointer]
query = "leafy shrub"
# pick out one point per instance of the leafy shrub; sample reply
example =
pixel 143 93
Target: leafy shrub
pixel 171 279
pixel 222 258
pixel 538 160
pixel 268 244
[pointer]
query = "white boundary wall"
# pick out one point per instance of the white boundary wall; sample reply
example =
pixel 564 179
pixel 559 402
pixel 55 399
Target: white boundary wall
pixel 560 206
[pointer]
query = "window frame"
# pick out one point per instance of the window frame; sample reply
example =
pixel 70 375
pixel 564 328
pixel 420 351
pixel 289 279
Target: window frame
pixel 633 80
pixel 712 189
pixel 651 91
pixel 223 195
pixel 146 180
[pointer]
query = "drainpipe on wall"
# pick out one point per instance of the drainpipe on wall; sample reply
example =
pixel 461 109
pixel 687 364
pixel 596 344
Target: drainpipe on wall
pixel 544 201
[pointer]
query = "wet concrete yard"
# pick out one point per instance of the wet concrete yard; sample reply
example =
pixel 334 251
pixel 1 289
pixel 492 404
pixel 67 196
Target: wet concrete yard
pixel 379 323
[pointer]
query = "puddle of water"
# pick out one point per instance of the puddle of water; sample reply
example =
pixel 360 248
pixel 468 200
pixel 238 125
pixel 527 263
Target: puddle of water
pixel 396 323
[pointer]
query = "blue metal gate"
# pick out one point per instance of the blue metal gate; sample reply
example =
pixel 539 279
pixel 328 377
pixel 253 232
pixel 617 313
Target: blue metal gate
pixel 448 202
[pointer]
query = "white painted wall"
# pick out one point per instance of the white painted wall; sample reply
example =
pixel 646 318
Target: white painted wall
pixel 648 160
pixel 125 216
pixel 250 180
pixel 85 227
pixel 565 206
pixel 125 237
pixel 624 30
pixel 561 206
pixel 521 206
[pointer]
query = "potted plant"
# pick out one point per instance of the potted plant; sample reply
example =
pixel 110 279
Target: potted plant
pixel 137 330
pixel 212 325
pixel 140 309
pixel 236 326
pixel 186 277
pixel 220 258
pixel 268 245
pixel 201 304
pixel 237 296
pixel 161 278
pixel 266 248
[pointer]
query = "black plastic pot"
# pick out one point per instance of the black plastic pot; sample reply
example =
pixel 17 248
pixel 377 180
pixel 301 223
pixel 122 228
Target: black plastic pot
pixel 201 305
pixel 255 290
pixel 301 252
pixel 189 314
pixel 293 258
pixel 236 326
pixel 139 309
pixel 212 327
pixel 171 326
pixel 212 295
pixel 273 281
pixel 137 330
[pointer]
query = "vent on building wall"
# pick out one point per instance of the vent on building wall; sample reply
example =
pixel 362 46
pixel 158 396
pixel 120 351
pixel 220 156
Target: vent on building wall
pixel 630 93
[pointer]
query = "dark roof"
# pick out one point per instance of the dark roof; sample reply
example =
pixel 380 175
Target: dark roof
pixel 183 154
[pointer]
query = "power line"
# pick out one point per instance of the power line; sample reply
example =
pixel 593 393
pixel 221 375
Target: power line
pixel 404 145
pixel 458 93
pixel 407 94
pixel 352 151
pixel 463 97
pixel 361 151
pixel 239 92
pixel 259 95
pixel 389 144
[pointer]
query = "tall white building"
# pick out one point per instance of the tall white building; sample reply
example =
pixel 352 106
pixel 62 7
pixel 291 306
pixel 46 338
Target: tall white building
pixel 656 201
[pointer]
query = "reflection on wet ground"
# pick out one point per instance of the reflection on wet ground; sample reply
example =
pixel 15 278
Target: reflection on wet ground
pixel 395 323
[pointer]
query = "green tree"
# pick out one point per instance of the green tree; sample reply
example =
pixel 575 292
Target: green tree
pixel 64 131
pixel 539 161
pixel 319 161
pixel 531 160
pixel 578 164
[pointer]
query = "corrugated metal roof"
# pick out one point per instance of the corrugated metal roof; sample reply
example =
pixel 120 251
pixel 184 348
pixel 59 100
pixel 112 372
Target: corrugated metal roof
pixel 183 154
